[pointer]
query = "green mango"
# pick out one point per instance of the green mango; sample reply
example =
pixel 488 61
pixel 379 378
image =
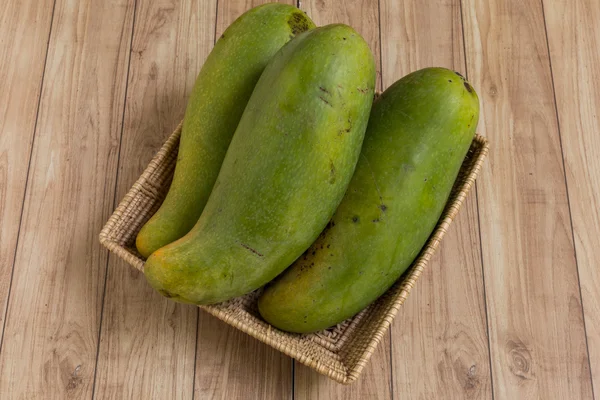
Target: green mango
pixel 419 132
pixel 284 174
pixel 216 104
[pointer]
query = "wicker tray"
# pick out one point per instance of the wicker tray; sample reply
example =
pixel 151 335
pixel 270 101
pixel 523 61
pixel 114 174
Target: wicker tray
pixel 340 352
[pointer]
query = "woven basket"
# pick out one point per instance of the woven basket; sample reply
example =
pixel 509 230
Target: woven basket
pixel 340 352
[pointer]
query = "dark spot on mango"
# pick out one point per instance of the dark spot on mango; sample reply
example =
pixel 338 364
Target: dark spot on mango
pixel 468 87
pixel 355 219
pixel 313 253
pixel 344 38
pixel 425 180
pixel 329 267
pixel 331 172
pixel 450 80
pixel 166 293
pixel 298 23
pixel 325 101
pixel 324 90
pixel 223 36
pixel 459 74
pixel 251 249
pixel 376 220
pixel 383 207
pixel 349 125
pixel 328 245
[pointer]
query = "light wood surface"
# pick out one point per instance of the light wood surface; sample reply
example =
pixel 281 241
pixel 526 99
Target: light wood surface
pixel 20 85
pixel 537 337
pixel 574 41
pixel 50 340
pixel 508 309
pixel 441 327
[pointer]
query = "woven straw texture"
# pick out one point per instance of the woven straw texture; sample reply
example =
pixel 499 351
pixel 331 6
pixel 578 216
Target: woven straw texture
pixel 340 352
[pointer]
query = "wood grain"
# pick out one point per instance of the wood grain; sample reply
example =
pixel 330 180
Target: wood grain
pixel 144 334
pixel 375 381
pixel 230 364
pixel 535 318
pixel 439 339
pixel 23 25
pixel 50 339
pixel 574 40
pixel 59 183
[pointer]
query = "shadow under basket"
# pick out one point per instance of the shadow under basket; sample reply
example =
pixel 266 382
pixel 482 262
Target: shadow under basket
pixel 340 352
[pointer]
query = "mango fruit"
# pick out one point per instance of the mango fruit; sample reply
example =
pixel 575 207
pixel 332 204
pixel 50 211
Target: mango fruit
pixel 284 174
pixel 218 99
pixel 419 132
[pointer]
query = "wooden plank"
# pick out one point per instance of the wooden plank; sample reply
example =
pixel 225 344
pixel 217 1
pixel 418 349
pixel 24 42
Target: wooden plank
pixel 50 339
pixel 147 343
pixel 439 339
pixel 23 25
pixel 537 337
pixel 574 40
pixel 375 381
pixel 230 364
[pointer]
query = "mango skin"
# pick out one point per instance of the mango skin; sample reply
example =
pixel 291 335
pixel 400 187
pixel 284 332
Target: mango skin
pixel 419 132
pixel 284 174
pixel 216 104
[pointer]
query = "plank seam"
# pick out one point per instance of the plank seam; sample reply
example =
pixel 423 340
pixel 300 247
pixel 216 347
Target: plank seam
pixel 487 320
pixel 114 197
pixel 196 352
pixel 37 114
pixel 562 153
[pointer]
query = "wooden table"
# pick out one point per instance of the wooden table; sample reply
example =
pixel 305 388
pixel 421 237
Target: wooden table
pixel 508 309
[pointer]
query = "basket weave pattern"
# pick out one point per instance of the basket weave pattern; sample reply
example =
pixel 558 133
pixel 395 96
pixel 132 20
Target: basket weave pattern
pixel 340 352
